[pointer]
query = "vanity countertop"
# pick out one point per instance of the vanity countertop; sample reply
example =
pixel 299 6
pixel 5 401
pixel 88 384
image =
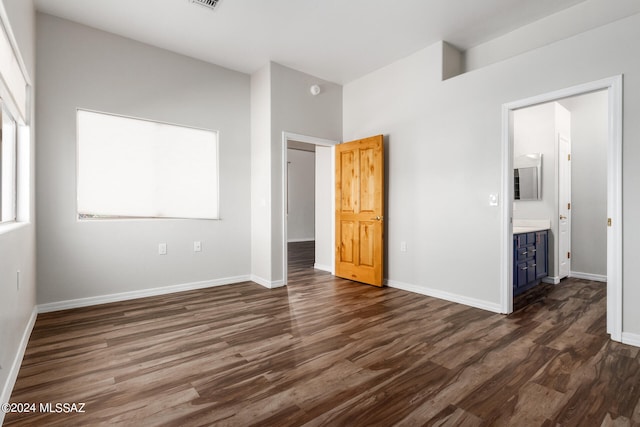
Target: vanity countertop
pixel 518 230
pixel 530 225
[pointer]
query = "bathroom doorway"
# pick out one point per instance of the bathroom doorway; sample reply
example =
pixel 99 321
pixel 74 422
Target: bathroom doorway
pixel 613 217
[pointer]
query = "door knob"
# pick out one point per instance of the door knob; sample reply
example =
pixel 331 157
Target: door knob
pixel 378 218
pixel 563 217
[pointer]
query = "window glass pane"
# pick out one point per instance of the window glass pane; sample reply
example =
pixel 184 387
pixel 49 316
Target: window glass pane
pixel 137 168
pixel 8 167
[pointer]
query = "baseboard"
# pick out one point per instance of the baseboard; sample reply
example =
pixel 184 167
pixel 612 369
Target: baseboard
pixel 7 388
pixel 631 339
pixel 323 267
pixel 306 239
pixel 124 296
pixel 267 283
pixel 447 296
pixel 588 276
pixel 551 280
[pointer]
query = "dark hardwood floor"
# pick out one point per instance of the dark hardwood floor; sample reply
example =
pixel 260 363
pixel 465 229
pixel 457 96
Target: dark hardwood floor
pixel 328 352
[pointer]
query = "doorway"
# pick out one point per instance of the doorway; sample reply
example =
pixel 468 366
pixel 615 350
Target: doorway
pixel 323 201
pixel 613 88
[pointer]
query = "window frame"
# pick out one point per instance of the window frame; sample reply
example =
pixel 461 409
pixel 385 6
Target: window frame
pixel 12 197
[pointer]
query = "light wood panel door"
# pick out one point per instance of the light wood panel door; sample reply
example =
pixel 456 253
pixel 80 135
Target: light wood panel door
pixel 360 210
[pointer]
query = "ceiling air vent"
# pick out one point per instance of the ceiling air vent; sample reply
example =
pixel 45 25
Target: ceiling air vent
pixel 211 4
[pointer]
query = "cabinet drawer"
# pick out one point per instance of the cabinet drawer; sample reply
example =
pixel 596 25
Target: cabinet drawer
pixel 525 252
pixel 521 274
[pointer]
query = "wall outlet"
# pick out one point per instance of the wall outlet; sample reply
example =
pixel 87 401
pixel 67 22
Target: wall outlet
pixel 494 199
pixel 403 246
pixel 197 246
pixel 162 249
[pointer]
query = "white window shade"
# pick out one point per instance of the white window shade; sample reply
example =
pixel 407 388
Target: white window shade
pixel 11 73
pixel 137 168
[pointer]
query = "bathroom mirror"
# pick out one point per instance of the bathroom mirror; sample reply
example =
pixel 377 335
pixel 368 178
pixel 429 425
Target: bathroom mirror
pixel 527 177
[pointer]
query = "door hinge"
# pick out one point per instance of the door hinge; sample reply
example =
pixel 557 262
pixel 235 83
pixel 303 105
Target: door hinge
pixel 568 255
pixel 608 222
pixel 568 206
pixel 569 157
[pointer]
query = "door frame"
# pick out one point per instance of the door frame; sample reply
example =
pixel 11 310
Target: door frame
pixel 290 136
pixel 559 160
pixel 613 85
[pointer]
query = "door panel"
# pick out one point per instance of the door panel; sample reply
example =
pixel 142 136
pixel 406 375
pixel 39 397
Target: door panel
pixel 359 210
pixel 346 241
pixel 367 243
pixel 367 180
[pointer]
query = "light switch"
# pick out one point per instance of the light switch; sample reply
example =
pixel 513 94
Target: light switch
pixel 197 246
pixel 403 246
pixel 162 249
pixel 493 199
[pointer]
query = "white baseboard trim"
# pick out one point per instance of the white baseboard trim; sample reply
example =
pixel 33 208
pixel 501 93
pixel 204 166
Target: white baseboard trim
pixel 588 276
pixel 124 296
pixel 267 283
pixel 631 339
pixel 7 387
pixel 552 280
pixel 304 239
pixel 323 267
pixel 447 296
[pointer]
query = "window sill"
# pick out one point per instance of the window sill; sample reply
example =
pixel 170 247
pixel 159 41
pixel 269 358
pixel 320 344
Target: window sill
pixel 11 226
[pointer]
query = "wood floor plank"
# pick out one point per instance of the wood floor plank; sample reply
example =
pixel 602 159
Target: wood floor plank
pixel 326 351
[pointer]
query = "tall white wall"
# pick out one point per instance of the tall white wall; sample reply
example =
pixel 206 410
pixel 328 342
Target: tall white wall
pixel 589 122
pixel 444 157
pixel 17 246
pixel 302 194
pixel 285 104
pixel 260 174
pixel 81 67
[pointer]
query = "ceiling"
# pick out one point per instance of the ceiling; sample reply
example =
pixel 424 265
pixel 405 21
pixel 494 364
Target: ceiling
pixel 336 40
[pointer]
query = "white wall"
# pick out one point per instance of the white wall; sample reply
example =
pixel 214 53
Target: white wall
pixel 564 24
pixel 534 132
pixel 302 189
pixel 286 105
pixel 589 122
pixel 86 68
pixel 17 246
pixel 324 208
pixel 295 110
pixel 260 174
pixel 444 157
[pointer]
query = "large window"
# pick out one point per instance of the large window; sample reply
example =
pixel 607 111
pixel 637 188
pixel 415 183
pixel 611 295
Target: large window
pixel 133 168
pixel 8 166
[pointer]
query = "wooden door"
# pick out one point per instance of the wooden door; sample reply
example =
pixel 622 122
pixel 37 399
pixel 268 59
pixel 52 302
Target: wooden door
pixel 360 210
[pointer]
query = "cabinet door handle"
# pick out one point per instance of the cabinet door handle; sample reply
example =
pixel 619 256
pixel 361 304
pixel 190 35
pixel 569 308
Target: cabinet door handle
pixel 524 253
pixel 533 250
pixel 524 268
pixel 533 265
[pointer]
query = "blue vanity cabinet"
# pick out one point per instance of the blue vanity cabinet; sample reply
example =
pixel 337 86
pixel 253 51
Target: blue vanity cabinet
pixel 530 259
